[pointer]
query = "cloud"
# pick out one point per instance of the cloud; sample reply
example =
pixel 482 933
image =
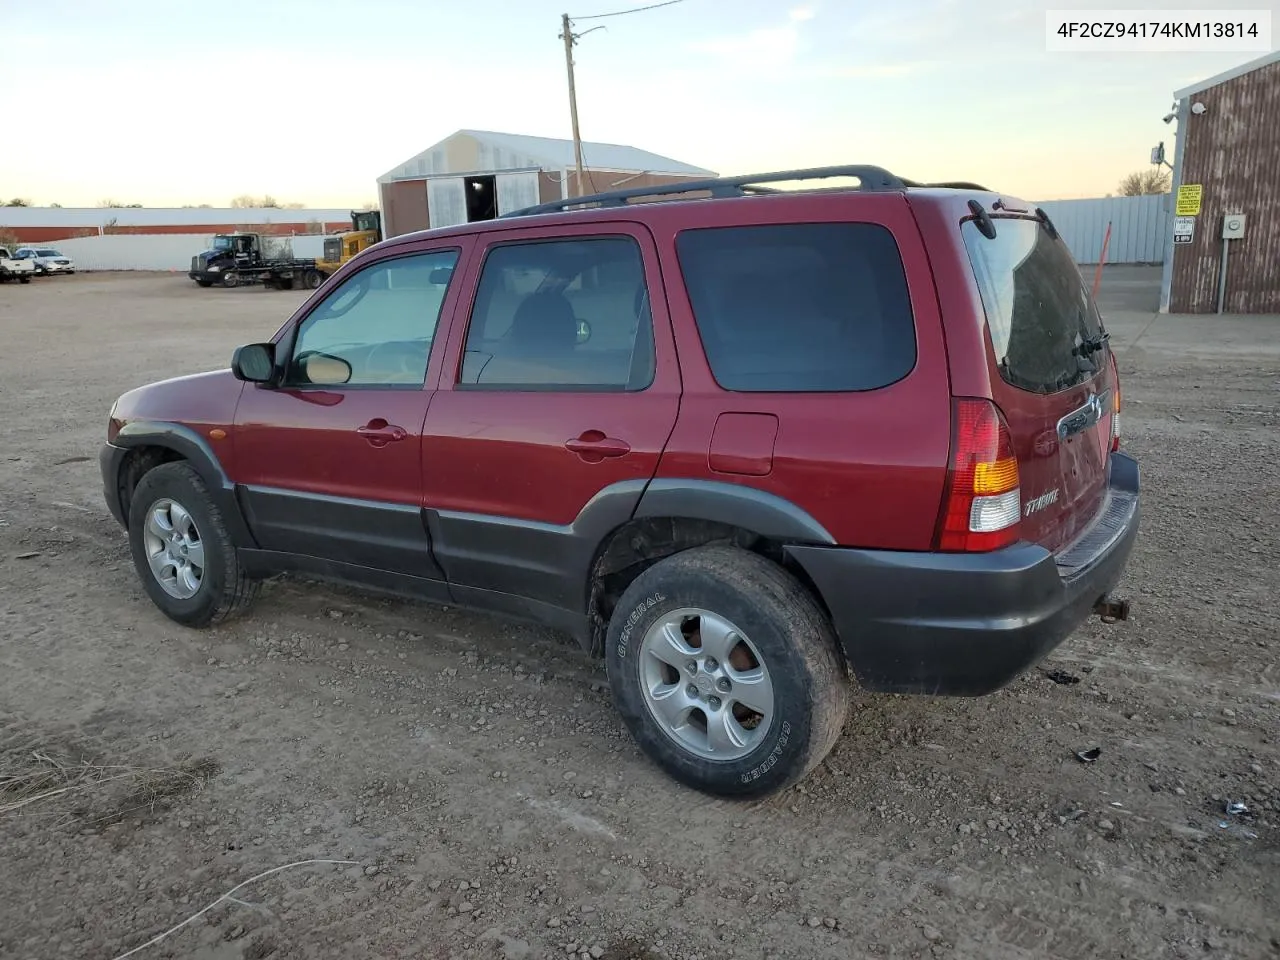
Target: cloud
pixel 877 71
pixel 800 14
pixel 771 43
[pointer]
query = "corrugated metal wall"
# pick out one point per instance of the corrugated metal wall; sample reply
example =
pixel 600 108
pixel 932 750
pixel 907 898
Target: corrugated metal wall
pixel 1233 151
pixel 1139 227
pixel 170 251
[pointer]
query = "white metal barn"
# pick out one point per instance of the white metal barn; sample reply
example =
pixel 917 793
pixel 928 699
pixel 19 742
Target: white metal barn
pixel 478 175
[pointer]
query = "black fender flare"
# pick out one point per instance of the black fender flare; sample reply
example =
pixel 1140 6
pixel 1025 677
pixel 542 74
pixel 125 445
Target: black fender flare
pixel 196 451
pixel 756 510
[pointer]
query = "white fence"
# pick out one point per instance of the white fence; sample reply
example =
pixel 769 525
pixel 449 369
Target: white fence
pixel 159 251
pixel 1139 227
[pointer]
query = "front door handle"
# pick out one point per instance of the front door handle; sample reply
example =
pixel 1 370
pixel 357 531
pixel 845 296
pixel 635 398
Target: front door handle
pixel 593 446
pixel 379 433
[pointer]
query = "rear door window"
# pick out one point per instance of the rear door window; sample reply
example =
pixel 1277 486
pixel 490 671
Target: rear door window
pixel 1041 316
pixel 569 314
pixel 814 307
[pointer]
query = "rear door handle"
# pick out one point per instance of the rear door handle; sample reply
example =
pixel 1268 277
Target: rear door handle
pixel 593 446
pixel 379 433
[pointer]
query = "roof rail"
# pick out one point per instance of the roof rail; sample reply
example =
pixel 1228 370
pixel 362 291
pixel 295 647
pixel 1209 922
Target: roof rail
pixel 948 185
pixel 872 179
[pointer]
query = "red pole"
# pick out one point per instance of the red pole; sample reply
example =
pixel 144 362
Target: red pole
pixel 1097 274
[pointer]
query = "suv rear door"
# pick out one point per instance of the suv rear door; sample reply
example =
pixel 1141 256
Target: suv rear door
pixel 1050 370
pixel 559 391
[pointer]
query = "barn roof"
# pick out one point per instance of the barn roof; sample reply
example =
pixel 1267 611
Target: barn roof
pixel 556 154
pixel 1239 71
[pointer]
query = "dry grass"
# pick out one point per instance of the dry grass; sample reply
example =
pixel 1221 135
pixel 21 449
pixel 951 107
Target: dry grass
pixel 38 776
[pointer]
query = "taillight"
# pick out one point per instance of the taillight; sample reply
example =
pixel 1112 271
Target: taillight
pixel 1115 409
pixel 983 504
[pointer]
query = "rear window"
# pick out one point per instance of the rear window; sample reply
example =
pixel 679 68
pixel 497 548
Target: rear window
pixel 1038 308
pixel 796 308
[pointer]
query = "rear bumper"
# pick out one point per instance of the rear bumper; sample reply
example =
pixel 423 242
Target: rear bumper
pixel 967 624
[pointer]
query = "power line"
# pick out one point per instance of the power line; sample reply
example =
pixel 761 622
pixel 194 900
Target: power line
pixel 619 13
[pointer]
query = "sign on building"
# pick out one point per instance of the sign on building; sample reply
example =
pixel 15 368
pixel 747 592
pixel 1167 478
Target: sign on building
pixel 1188 202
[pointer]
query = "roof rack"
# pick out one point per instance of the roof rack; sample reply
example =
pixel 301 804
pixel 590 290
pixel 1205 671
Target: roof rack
pixel 948 185
pixel 871 178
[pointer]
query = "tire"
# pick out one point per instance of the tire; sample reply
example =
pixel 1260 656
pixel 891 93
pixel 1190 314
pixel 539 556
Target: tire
pixel 204 283
pixel 24 279
pixel 222 588
pixel 312 279
pixel 230 278
pixel 789 642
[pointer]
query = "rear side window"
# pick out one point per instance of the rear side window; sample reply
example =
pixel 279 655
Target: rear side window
pixel 1038 308
pixel 796 308
pixel 561 315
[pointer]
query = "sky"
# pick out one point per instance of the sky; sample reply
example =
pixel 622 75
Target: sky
pixel 167 103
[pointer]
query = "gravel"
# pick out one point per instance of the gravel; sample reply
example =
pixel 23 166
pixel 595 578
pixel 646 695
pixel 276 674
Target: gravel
pixel 939 828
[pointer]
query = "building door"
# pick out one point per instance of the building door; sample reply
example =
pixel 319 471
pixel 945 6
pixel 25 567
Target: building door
pixel 446 201
pixel 517 191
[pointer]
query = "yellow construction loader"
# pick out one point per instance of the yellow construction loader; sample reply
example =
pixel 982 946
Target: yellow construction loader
pixel 366 230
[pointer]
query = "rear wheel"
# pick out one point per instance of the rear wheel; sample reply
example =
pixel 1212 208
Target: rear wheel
pixel 726 672
pixel 182 550
pixel 312 279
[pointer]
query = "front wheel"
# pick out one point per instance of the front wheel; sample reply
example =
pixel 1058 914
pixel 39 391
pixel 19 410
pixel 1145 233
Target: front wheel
pixel 182 550
pixel 726 672
pixel 230 278
pixel 204 283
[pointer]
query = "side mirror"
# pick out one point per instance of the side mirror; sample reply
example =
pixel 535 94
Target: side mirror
pixel 255 362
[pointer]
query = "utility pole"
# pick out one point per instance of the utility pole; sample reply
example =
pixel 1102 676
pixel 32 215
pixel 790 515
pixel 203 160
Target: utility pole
pixel 567 35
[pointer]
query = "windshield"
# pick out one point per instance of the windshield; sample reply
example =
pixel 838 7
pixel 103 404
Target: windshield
pixel 1044 324
pixel 221 243
pixel 47 253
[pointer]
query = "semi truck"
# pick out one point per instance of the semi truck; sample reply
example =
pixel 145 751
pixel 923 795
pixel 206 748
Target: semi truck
pixel 239 258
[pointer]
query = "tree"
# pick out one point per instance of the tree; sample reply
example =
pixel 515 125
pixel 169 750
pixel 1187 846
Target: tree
pixel 18 202
pixel 1144 182
pixel 247 202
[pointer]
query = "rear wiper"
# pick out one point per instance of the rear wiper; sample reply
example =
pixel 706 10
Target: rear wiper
pixel 1091 345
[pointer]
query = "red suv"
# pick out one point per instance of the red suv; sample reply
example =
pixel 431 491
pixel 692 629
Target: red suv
pixel 742 442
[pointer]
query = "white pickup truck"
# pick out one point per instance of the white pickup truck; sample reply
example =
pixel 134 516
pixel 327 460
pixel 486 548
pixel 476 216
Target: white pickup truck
pixel 11 269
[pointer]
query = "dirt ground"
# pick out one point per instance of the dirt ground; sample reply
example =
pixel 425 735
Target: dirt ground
pixel 493 803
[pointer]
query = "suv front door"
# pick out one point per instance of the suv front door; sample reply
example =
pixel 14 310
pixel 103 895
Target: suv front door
pixel 329 459
pixel 558 392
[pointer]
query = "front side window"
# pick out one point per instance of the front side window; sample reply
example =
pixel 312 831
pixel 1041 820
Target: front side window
pixel 796 308
pixel 376 328
pixel 561 314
